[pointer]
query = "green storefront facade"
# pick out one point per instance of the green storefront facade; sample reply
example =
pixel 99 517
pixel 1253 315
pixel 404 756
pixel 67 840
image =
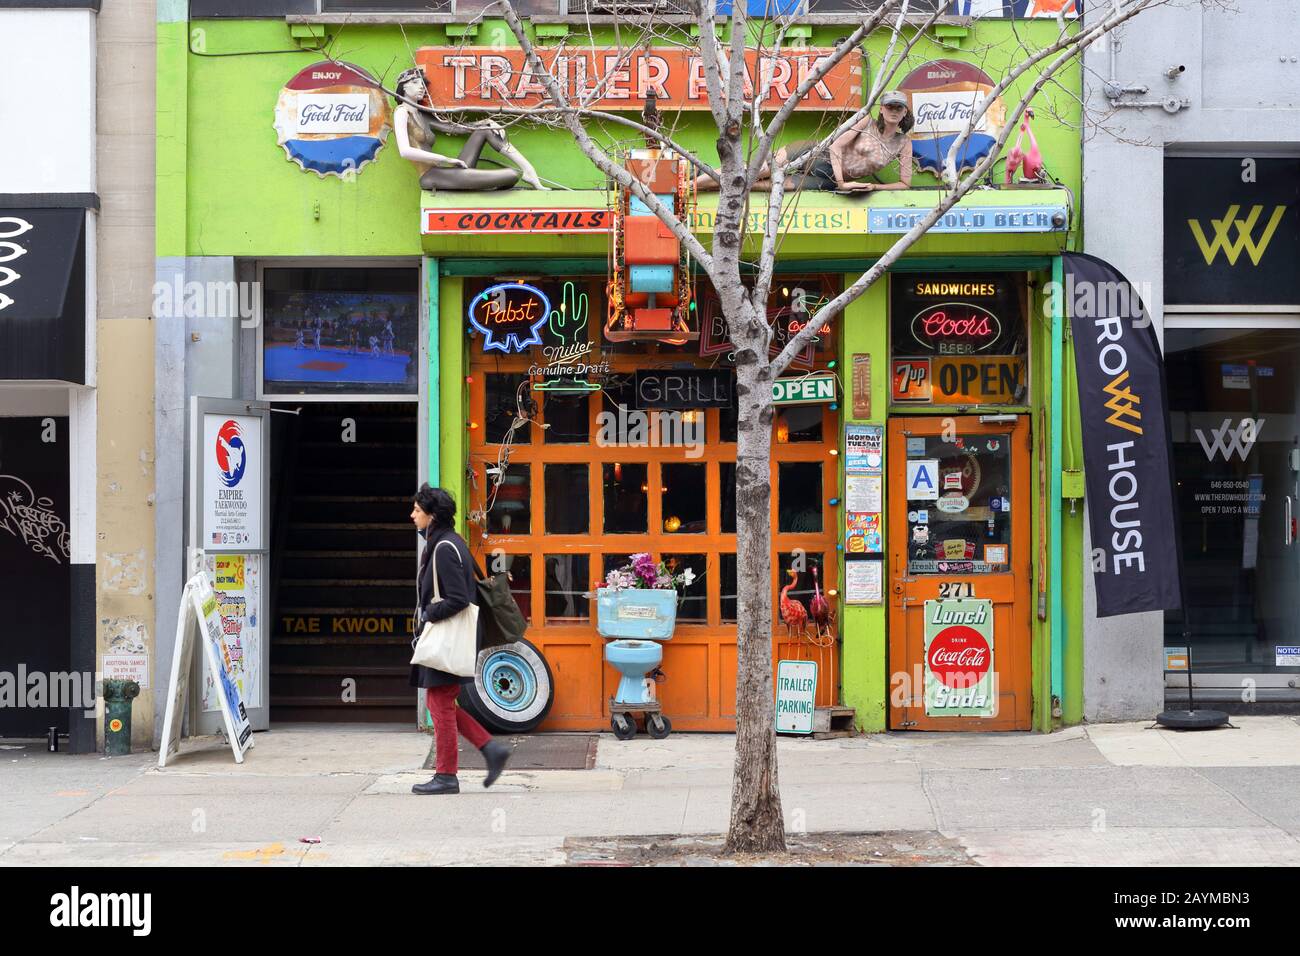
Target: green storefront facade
pixel 232 203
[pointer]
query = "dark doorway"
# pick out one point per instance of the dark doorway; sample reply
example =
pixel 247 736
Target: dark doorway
pixel 35 588
pixel 343 563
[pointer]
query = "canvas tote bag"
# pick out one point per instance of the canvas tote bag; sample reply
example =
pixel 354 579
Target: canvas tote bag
pixel 449 645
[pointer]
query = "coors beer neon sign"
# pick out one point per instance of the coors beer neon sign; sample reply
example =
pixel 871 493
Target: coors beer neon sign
pixel 956 328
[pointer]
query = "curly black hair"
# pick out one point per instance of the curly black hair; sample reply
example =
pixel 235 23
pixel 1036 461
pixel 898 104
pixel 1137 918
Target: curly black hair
pixel 437 504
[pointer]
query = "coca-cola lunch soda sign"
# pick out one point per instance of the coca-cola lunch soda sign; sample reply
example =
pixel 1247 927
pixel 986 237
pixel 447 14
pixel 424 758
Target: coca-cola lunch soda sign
pixel 959 677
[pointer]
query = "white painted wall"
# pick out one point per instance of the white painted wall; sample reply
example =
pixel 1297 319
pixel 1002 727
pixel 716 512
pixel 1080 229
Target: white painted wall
pixel 47 101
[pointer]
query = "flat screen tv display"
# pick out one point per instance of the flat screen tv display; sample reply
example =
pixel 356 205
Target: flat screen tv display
pixel 335 331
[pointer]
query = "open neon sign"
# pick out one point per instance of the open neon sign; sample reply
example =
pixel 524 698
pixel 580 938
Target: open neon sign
pixel 956 328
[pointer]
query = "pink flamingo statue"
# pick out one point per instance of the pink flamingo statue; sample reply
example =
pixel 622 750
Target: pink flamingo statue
pixel 1029 163
pixel 793 613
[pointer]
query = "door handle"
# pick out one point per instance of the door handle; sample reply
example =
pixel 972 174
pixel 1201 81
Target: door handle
pixel 1289 530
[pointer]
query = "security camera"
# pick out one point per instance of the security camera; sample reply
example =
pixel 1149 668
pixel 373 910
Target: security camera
pixel 1174 72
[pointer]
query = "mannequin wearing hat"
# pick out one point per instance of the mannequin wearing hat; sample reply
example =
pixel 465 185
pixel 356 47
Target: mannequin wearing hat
pixel 861 151
pixel 416 130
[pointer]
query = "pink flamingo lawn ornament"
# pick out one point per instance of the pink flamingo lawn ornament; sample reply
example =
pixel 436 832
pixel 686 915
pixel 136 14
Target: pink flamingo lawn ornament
pixel 819 609
pixel 793 613
pixel 1030 163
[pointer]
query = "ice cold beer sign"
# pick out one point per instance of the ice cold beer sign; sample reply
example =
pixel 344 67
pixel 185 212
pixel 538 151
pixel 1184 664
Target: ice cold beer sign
pixel 959 677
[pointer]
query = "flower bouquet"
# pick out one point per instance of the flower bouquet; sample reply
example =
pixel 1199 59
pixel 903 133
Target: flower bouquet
pixel 639 600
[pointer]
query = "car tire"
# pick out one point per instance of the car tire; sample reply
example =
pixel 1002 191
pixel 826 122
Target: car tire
pixel 512 690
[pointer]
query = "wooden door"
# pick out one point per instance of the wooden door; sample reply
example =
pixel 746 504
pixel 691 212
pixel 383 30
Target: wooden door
pixel 960 560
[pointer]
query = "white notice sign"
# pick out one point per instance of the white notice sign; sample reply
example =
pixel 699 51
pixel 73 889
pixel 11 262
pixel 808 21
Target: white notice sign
pixel 863 493
pixel 796 696
pixel 863 582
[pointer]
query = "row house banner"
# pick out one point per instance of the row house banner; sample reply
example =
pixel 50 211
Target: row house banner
pixel 1123 407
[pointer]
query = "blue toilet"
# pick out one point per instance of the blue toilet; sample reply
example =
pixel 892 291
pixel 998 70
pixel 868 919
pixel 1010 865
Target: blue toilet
pixel 637 621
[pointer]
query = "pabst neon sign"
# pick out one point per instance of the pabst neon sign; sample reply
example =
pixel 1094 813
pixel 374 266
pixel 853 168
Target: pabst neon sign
pixel 956 328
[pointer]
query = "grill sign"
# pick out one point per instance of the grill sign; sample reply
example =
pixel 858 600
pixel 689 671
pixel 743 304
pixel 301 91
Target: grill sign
pixel 956 328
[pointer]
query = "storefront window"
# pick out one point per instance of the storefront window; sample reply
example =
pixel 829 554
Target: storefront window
pixel 626 498
pixel 339 331
pixel 504 393
pixel 519 571
pixel 694 602
pixel 511 511
pixel 566 499
pixel 799 423
pixel 567 585
pixel 727 585
pixel 1234 396
pixel 685 499
pixel 799 503
pixel 566 419
pixel 958 338
pixel 965 523
pixel 727 487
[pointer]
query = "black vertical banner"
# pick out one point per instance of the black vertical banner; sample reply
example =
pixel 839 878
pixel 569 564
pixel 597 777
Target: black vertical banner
pixel 1129 469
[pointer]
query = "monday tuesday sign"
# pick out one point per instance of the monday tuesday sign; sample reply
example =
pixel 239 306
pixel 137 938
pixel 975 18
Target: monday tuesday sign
pixel 489 78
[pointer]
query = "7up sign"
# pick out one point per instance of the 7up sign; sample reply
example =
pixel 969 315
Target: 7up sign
pixel 805 389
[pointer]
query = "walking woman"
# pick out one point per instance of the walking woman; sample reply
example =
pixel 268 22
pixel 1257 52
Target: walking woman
pixel 447 556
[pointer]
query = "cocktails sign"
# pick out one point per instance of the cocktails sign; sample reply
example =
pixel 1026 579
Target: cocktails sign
pixel 959 677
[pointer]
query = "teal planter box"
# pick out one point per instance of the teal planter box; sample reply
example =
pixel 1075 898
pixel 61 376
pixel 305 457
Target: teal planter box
pixel 646 613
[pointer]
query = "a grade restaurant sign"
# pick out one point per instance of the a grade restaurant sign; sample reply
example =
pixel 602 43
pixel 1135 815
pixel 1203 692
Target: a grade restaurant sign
pixel 462 78
pixel 804 389
pixel 959 677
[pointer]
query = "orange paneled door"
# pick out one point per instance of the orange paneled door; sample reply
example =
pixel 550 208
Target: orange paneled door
pixel 960 564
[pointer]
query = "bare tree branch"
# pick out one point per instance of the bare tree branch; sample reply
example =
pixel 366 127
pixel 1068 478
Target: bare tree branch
pixel 1071 47
pixel 598 156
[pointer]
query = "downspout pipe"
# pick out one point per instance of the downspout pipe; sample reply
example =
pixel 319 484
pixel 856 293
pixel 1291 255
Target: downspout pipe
pixel 1055 552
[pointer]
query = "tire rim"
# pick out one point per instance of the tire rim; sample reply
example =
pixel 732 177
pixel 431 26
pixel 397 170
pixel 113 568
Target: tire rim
pixel 509 682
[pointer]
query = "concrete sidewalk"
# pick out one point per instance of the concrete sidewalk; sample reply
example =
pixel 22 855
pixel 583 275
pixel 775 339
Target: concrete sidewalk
pixel 1117 794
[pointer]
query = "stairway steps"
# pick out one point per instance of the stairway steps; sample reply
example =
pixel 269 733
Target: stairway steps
pixel 346 569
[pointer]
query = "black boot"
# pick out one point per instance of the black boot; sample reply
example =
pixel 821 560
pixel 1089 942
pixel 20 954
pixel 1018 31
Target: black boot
pixel 495 754
pixel 441 783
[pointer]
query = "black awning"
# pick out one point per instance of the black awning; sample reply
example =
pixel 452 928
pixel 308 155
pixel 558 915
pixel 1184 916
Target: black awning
pixel 43 294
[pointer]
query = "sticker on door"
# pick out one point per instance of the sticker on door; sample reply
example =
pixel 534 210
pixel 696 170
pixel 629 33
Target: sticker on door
pixel 923 480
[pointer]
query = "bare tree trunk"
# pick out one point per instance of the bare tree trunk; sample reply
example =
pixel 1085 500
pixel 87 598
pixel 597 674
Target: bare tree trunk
pixel 757 824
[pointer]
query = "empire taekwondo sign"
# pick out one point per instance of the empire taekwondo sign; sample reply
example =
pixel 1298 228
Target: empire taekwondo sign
pixel 488 78
pixel 1130 475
